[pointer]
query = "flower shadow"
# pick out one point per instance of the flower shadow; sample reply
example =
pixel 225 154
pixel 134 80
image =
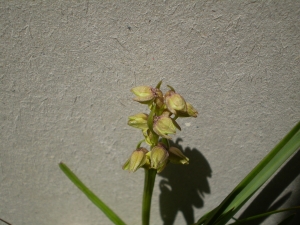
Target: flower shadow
pixel 183 186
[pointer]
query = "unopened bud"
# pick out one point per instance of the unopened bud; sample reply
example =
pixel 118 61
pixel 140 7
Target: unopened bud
pixel 177 157
pixel 138 121
pixel 159 158
pixel 137 159
pixel 190 112
pixel 175 102
pixel 144 94
pixel 163 125
pixel 150 137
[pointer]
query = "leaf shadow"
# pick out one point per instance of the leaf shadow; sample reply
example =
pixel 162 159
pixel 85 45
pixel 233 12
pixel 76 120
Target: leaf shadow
pixel 265 200
pixel 183 186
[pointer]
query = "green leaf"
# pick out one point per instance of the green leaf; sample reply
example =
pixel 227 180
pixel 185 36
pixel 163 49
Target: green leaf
pixel 256 178
pixel 101 205
pixel 262 215
pixel 205 217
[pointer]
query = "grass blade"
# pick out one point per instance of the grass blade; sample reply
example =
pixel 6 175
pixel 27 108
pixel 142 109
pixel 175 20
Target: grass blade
pixel 263 215
pixel 101 205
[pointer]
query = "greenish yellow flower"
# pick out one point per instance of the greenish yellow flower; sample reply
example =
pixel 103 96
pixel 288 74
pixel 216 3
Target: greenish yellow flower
pixel 138 121
pixel 164 125
pixel 177 157
pixel 137 159
pixel 159 157
pixel 175 102
pixel 190 112
pixel 147 94
pixel 150 137
pixel 143 94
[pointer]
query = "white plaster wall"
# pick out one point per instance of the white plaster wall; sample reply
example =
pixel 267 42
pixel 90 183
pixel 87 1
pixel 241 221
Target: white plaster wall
pixel 66 71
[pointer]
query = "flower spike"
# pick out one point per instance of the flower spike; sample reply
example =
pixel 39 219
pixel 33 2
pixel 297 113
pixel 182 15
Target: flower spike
pixel 157 126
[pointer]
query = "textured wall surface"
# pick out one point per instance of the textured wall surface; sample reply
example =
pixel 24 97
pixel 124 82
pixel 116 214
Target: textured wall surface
pixel 66 71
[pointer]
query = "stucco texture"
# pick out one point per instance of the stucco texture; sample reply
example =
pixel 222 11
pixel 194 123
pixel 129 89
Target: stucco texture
pixel 67 68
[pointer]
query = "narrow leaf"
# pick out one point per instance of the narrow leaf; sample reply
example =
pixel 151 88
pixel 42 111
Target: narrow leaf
pixel 263 215
pixel 101 205
pixel 205 217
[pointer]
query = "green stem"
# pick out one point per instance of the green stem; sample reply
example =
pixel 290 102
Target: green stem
pixel 166 142
pixel 148 189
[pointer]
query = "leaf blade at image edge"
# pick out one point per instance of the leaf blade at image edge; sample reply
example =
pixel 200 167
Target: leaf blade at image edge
pixel 256 178
pixel 90 195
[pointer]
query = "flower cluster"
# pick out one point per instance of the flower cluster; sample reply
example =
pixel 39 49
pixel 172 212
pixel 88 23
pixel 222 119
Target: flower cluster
pixel 157 126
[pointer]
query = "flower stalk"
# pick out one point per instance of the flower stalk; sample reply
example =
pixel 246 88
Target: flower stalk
pixel 149 181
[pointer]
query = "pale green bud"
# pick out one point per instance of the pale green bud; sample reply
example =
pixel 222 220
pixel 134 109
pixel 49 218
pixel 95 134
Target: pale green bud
pixel 175 102
pixel 177 157
pixel 148 95
pixel 138 121
pixel 144 94
pixel 150 137
pixel 163 125
pixel 159 157
pixel 190 112
pixel 137 159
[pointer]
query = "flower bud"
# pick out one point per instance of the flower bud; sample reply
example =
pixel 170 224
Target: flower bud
pixel 150 137
pixel 190 112
pixel 177 157
pixel 163 125
pixel 144 94
pixel 138 121
pixel 159 157
pixel 175 102
pixel 137 159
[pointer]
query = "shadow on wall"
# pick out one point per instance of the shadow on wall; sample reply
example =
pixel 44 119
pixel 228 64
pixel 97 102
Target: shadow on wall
pixel 265 200
pixel 183 186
